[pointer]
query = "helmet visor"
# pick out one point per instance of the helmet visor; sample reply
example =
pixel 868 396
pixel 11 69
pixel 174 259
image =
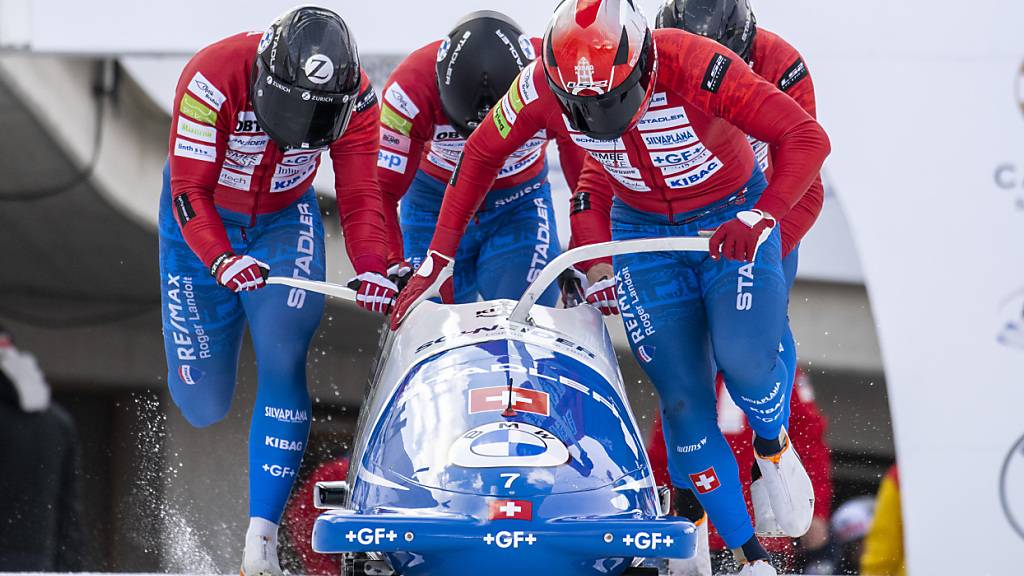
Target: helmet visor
pixel 608 116
pixel 299 118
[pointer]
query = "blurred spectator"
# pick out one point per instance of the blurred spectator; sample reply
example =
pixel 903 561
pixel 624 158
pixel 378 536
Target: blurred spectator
pixel 807 428
pixel 39 492
pixel 883 546
pixel 300 515
pixel 850 524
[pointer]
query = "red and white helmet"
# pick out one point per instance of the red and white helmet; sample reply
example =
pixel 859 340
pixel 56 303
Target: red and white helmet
pixel 600 62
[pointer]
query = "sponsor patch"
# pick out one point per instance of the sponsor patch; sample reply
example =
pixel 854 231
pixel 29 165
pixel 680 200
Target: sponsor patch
pixel 184 209
pixel 394 140
pixel 715 73
pixel 580 203
pixel 234 180
pixel 671 139
pixel 527 47
pixel 186 149
pixel 442 49
pixel 501 123
pixel 588 143
pixel 498 398
pixel 196 110
pixel 394 120
pixel 634 185
pixel 302 158
pixel 400 101
pixel 508 111
pixel 663 119
pixel 254 144
pixel 241 162
pixel 247 123
pixel 285 183
pixel 392 161
pixel 793 74
pixel 366 99
pixel 675 158
pixel 695 176
pixel 511 510
pixel 206 91
pixel 516 163
pixel 627 172
pixel 527 86
pixel 658 100
pixel 706 481
pixel 190 375
pixel 646 353
pixel 196 131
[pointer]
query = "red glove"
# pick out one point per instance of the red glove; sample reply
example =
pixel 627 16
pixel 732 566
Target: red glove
pixel 239 273
pixel 374 292
pixel 602 294
pixel 739 238
pixel 432 278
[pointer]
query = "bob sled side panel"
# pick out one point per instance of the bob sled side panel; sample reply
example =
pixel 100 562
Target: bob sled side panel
pixel 482 439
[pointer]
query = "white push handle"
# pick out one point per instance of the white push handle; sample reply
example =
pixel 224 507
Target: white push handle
pixel 603 250
pixel 325 288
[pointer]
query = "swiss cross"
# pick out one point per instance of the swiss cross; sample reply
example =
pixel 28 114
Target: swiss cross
pixel 705 481
pixel 498 398
pixel 510 508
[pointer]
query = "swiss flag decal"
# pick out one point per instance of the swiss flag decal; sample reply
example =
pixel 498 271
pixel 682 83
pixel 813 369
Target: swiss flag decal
pixel 498 398
pixel 511 510
pixel 706 481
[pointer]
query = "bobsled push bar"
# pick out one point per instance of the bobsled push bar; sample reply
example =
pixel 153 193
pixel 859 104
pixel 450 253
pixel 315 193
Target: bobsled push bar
pixel 546 276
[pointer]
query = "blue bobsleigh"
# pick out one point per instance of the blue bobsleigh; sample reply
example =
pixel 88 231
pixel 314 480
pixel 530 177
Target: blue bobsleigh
pixel 497 439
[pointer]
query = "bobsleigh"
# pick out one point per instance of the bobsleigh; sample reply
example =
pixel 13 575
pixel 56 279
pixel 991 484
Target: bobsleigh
pixel 496 438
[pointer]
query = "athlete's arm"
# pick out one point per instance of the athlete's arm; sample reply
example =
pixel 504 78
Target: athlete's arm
pixel 590 210
pixel 354 157
pixel 570 156
pixel 725 86
pixel 406 124
pixel 515 119
pixel 200 125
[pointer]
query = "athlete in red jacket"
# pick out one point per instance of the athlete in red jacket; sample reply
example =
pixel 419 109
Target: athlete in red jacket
pixel 252 114
pixel 663 118
pixel 432 102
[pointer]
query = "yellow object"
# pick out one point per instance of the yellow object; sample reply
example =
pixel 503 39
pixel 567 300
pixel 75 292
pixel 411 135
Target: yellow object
pixel 883 545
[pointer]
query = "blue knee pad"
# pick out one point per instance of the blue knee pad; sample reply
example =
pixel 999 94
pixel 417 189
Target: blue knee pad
pixel 203 337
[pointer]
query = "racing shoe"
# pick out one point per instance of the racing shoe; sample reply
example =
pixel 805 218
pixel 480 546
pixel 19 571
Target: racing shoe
pixel 700 563
pixel 787 485
pixel 260 556
pixel 765 523
pixel 758 568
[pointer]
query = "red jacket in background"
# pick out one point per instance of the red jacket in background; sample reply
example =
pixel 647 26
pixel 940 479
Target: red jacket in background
pixel 806 429
pixel 220 156
pixel 415 134
pixel 300 515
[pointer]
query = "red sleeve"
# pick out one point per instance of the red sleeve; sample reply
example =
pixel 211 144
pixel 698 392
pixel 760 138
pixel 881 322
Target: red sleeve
pixel 360 210
pixel 807 427
pixel 726 87
pixel 590 210
pixel 300 515
pixel 570 156
pixel 785 67
pixel 200 124
pixel 407 123
pixel 517 117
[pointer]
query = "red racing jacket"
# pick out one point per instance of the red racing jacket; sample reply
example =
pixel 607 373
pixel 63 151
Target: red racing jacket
pixel 778 62
pixel 220 156
pixel 689 149
pixel 415 134
pixel 807 427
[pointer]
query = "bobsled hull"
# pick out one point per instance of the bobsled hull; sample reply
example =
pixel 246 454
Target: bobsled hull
pixel 486 445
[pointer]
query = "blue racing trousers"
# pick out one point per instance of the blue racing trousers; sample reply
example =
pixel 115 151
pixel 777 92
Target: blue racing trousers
pixel 202 327
pixel 505 246
pixel 688 316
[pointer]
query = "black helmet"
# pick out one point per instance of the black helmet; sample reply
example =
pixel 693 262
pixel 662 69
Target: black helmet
pixel 476 65
pixel 731 23
pixel 307 78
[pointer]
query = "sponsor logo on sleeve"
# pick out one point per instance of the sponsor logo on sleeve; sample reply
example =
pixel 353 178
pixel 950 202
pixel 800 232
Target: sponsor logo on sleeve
pixel 186 149
pixel 184 209
pixel 400 101
pixel 715 73
pixel 527 86
pixel 508 111
pixel 580 203
pixel 793 74
pixel 527 47
pixel 366 99
pixel 234 180
pixel 206 91
pixel 394 140
pixel 392 161
pixel 196 110
pixel 196 131
pixel 501 123
pixel 394 120
pixel 442 49
pixel 265 40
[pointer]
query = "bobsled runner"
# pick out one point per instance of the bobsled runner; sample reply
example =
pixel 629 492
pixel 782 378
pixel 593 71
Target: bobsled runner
pixel 496 439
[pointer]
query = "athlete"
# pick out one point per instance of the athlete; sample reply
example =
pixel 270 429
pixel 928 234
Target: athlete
pixel 663 117
pixel 252 114
pixel 432 102
pixel 732 23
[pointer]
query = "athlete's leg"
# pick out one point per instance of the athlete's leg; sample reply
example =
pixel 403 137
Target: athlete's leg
pixel 202 325
pixel 282 321
pixel 418 213
pixel 522 238
pixel 787 347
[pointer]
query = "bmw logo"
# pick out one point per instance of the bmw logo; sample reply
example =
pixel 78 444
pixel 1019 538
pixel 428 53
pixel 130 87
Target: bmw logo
pixel 508 444
pixel 1011 488
pixel 442 50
